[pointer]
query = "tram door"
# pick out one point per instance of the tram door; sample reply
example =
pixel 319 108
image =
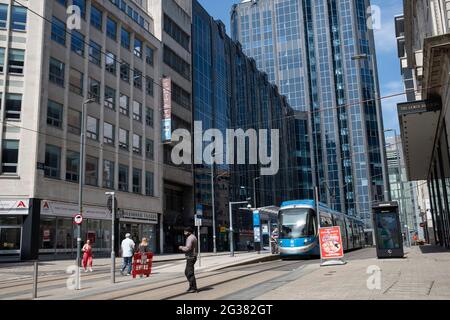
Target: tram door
pixel 388 234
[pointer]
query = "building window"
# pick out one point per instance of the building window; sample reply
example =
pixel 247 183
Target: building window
pixel 110 98
pixel 16 61
pixel 125 71
pixel 149 153
pixel 137 79
pixel 10 156
pixel 149 55
pixel 177 63
pixel 3 15
pixel 74 121
pixel 137 181
pixel 2 59
pixel 111 28
pixel 181 96
pixel 18 18
pixel 110 63
pixel 125 38
pixel 149 86
pixel 108 133
pixel 149 184
pixel 13 106
pixel 54 114
pixel 92 128
pixel 76 81
pixel 137 111
pixel 172 29
pixel 77 43
pixel 137 144
pixel 82 5
pixel 56 72
pixel 72 166
pixel 108 174
pixel 91 171
pixel 94 89
pixel 137 48
pixel 149 117
pixel 52 161
pixel 58 31
pixel 124 105
pixel 123 178
pixel 96 18
pixel 124 139
pixel 95 53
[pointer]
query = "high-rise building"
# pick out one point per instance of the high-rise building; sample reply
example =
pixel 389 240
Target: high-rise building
pixel 424 37
pixel 321 54
pixel 50 68
pixel 402 190
pixel 231 93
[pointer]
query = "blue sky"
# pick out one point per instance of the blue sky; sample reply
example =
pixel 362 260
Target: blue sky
pixel 386 46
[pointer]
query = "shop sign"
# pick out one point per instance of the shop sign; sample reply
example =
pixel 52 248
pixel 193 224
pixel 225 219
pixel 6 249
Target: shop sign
pixel 139 216
pixel 59 209
pixel 14 207
pixel 331 243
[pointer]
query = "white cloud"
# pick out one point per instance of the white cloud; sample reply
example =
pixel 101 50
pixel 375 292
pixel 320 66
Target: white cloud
pixel 389 105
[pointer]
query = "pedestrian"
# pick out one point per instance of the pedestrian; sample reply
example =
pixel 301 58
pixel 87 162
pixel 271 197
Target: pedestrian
pixel 127 253
pixel 143 249
pixel 190 251
pixel 87 256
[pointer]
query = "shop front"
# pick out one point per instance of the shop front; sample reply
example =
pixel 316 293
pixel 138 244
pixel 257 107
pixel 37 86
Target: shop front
pixel 140 225
pixel 58 233
pixel 16 229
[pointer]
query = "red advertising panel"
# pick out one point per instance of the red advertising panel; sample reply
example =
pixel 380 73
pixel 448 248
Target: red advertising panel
pixel 331 243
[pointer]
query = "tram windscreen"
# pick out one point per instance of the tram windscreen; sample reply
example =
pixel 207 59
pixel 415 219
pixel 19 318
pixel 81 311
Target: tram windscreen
pixel 296 223
pixel 388 232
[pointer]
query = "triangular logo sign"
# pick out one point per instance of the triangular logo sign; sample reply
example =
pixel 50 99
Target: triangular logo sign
pixel 21 205
pixel 46 206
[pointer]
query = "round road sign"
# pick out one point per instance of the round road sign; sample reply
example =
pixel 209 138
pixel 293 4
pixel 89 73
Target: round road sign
pixel 78 219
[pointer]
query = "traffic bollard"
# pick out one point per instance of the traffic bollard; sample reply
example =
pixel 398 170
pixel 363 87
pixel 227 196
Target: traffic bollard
pixel 35 279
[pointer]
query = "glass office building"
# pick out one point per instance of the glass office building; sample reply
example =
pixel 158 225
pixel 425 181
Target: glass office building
pixel 231 93
pixel 309 48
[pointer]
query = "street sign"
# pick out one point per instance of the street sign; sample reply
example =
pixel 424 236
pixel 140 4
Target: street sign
pixel 78 219
pixel 198 221
pixel 199 211
pixel 331 243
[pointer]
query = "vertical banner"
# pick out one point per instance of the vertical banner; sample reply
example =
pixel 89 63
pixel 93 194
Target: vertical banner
pixel 167 111
pixel 256 226
pixel 331 243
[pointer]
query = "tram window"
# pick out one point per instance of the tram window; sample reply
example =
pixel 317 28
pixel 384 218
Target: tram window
pixel 325 221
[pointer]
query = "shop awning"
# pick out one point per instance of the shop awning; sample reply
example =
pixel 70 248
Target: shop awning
pixel 418 125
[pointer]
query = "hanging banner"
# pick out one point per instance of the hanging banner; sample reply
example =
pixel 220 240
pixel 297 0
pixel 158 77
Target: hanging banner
pixel 167 111
pixel 331 243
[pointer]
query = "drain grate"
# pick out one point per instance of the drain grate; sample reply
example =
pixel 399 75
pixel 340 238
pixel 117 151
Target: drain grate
pixel 420 288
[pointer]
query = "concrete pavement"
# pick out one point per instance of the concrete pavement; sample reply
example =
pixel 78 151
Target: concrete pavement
pixel 424 273
pixel 15 280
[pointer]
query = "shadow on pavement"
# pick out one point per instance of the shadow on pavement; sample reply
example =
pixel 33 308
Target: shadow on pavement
pixel 433 249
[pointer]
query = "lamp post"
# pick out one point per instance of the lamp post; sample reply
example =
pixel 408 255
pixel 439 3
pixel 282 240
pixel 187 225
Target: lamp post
pixel 366 56
pixel 81 182
pixel 113 253
pixel 230 204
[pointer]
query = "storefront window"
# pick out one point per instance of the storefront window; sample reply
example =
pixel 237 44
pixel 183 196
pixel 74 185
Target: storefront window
pixel 65 239
pixel 47 233
pixel 10 220
pixel 148 231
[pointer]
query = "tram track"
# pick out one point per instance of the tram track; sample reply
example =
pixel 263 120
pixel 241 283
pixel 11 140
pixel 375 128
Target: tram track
pixel 233 269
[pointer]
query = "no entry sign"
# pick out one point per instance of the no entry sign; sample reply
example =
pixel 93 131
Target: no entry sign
pixel 78 219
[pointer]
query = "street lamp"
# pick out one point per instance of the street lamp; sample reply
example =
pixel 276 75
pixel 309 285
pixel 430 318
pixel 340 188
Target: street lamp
pixel 113 217
pixel 254 191
pixel 230 204
pixel 365 56
pixel 81 182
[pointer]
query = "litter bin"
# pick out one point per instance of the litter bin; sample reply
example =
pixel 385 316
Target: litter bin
pixel 142 264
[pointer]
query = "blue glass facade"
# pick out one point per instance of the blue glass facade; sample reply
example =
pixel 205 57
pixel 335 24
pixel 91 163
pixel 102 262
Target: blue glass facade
pixel 310 51
pixel 231 93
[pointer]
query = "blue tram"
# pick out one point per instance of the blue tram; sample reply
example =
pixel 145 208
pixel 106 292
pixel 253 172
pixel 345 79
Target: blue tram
pixel 298 232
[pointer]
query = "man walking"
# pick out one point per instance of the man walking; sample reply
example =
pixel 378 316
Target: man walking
pixel 191 257
pixel 127 253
